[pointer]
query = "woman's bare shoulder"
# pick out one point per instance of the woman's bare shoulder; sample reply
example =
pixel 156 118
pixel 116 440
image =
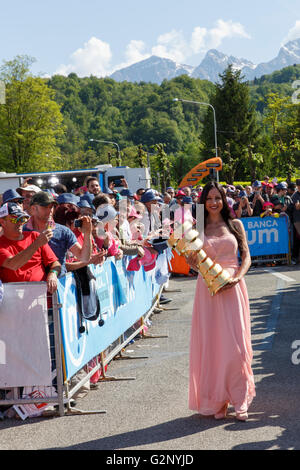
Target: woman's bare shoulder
pixel 238 224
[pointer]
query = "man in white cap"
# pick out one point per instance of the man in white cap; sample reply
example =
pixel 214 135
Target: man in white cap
pixel 27 192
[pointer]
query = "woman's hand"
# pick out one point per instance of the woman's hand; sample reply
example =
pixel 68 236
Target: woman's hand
pixel 98 258
pixel 232 282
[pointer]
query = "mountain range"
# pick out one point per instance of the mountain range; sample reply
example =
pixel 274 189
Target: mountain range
pixel 156 69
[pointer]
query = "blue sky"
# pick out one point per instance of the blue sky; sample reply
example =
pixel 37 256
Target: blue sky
pixel 97 37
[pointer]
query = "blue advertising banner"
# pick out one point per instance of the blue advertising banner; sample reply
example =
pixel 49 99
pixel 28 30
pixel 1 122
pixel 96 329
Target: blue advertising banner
pixel 267 235
pixel 125 296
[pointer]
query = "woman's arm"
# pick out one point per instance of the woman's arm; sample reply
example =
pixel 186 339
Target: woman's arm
pixel 245 257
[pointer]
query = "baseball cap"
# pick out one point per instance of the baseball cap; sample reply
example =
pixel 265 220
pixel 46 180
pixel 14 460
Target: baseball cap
pixel 133 213
pixel 187 200
pixel 282 185
pixel 180 193
pixel 11 208
pixel 256 184
pixel 86 197
pixel 31 187
pixel 83 203
pixel 159 244
pixel 68 198
pixel 106 212
pixel 43 198
pixel 267 204
pixel 11 194
pixel 149 195
pixel 126 193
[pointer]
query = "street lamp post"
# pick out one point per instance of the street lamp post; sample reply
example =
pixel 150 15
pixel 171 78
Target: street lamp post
pixel 215 121
pixel 107 142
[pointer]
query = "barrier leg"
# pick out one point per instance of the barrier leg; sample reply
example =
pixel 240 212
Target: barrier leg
pixel 172 290
pixel 149 335
pixel 161 307
pixel 166 308
pixel 121 354
pixel 58 355
pixel 108 378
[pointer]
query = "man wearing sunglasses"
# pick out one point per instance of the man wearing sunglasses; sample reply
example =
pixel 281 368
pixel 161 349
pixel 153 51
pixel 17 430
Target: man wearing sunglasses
pixel 25 256
pixel 42 206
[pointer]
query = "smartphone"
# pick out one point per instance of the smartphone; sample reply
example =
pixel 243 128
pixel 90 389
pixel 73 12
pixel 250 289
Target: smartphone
pixel 77 223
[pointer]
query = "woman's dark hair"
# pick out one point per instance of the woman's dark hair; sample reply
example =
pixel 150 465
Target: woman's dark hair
pixel 225 212
pixel 102 198
pixel 65 216
pixel 60 188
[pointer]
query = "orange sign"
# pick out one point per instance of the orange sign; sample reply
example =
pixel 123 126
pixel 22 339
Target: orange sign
pixel 200 171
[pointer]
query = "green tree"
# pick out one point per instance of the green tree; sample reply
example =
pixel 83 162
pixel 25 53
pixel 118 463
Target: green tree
pixel 236 121
pixel 282 121
pixel 30 120
pixel 163 165
pixel 141 157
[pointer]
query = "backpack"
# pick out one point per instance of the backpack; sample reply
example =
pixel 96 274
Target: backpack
pixel 87 299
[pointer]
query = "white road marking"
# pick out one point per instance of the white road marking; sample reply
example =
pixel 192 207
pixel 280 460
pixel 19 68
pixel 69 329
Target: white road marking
pixel 280 276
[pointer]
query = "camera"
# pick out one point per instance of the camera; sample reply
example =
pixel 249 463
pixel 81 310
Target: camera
pixel 77 223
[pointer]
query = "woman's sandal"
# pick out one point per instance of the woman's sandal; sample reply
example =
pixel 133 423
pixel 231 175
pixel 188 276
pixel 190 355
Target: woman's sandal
pixel 222 413
pixel 242 416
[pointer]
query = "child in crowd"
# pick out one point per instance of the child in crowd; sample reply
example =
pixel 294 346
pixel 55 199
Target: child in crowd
pixel 268 210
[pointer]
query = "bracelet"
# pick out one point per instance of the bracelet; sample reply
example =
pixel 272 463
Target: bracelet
pixel 53 271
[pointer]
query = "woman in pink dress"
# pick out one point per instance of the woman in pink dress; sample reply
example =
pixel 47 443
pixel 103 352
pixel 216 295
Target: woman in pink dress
pixel 220 348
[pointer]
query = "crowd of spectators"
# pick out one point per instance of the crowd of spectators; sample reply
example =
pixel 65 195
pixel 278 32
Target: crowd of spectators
pixel 87 226
pixel 270 199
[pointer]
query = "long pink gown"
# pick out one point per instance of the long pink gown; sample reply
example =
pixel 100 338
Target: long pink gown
pixel 220 347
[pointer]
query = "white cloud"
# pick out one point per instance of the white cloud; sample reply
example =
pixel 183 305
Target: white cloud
pixel 95 57
pixel 92 59
pixel 197 43
pixel 135 51
pixel 294 33
pixel 171 45
pixel 175 46
pixel 224 30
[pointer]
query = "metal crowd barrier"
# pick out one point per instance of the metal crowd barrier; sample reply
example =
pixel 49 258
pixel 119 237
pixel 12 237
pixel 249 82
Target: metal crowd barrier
pixel 35 397
pixel 27 401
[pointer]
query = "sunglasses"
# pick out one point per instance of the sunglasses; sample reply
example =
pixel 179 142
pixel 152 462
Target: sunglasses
pixel 18 220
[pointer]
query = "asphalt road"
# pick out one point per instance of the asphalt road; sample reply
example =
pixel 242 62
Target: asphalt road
pixel 151 412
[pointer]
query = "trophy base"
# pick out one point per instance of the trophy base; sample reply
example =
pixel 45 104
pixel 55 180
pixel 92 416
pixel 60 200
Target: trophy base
pixel 216 286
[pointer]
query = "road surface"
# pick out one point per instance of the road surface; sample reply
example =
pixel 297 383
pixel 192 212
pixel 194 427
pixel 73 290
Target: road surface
pixel 151 412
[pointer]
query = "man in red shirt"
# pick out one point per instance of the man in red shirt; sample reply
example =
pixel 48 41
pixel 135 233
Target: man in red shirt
pixel 25 256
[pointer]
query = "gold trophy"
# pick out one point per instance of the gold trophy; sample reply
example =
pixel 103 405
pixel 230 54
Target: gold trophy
pixel 213 274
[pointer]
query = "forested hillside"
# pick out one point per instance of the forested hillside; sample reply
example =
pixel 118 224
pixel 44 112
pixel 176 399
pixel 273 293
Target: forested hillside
pixel 258 122
pixel 145 114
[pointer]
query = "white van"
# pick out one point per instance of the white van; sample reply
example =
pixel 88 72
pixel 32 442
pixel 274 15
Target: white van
pixel 135 177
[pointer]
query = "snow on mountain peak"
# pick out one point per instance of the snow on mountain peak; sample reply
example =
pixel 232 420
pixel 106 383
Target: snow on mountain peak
pixel 155 69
